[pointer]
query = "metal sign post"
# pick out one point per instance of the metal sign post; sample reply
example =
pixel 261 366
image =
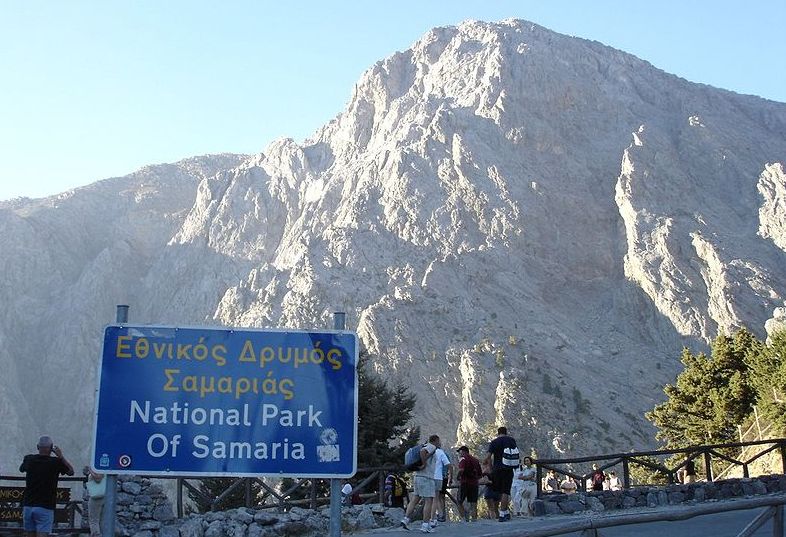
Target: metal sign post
pixel 339 323
pixel 110 496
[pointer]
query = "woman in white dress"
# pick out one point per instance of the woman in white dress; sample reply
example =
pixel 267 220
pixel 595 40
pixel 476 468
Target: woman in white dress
pixel 529 490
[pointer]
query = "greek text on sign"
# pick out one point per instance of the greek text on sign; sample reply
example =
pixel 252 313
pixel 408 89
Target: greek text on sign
pixel 202 401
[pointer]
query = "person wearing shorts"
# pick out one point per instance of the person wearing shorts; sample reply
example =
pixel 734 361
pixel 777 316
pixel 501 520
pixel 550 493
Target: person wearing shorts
pixel 443 471
pixel 469 472
pixel 41 471
pixel 488 493
pixel 423 486
pixel 501 474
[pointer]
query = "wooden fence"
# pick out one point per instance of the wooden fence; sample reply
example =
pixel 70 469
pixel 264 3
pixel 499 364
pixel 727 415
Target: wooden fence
pixel 68 511
pixel 704 455
pixel 371 487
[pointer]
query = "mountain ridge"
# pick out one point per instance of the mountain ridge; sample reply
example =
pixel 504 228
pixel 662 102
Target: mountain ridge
pixel 523 227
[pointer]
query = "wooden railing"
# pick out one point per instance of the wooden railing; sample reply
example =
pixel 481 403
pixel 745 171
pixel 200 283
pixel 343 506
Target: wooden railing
pixel 371 488
pixel 370 482
pixel 65 512
pixel 755 431
pixel 705 455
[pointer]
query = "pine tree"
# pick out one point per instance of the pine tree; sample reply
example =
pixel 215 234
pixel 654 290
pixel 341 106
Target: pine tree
pixel 384 413
pixel 768 377
pixel 711 396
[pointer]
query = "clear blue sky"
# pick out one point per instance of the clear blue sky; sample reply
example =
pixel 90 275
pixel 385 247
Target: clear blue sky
pixel 96 89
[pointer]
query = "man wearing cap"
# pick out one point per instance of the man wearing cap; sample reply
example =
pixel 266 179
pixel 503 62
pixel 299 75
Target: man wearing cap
pixel 469 471
pixel 41 473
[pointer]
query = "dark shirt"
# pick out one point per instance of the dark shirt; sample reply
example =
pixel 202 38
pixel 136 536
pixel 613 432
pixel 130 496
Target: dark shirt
pixel 690 468
pixel 598 477
pixel 497 446
pixel 470 470
pixel 41 476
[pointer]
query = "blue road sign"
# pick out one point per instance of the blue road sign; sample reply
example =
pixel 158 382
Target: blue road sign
pixel 203 401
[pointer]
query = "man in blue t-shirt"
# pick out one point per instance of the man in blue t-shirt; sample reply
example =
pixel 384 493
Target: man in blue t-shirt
pixel 502 468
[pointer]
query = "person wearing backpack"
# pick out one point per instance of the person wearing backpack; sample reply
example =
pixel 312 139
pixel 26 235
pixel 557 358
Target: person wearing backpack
pixel 469 472
pixel 395 490
pixel 504 454
pixel 423 485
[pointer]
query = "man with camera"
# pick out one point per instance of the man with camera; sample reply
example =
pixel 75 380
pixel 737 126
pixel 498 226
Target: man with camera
pixel 41 471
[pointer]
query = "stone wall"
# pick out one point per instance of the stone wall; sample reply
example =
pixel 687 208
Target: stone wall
pixel 243 522
pixel 145 511
pixel 664 495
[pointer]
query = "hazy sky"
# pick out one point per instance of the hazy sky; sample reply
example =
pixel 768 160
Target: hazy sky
pixel 96 89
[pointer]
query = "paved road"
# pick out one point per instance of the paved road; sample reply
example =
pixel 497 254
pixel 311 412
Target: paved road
pixel 727 524
pixel 720 525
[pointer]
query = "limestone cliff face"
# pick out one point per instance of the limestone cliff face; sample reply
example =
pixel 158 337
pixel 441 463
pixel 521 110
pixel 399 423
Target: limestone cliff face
pixel 524 227
pixel 772 212
pixel 65 262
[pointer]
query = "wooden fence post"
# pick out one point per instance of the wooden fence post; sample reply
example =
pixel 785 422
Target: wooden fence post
pixel 625 473
pixel 538 480
pixel 783 457
pixel 179 497
pixel 708 465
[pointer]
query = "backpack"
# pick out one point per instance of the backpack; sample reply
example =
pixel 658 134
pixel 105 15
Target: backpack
pixel 510 455
pixel 399 490
pixel 412 458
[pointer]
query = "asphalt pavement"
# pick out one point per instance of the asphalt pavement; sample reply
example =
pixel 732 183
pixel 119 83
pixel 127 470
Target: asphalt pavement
pixel 727 524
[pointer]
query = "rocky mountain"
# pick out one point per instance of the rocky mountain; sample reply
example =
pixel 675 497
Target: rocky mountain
pixel 524 227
